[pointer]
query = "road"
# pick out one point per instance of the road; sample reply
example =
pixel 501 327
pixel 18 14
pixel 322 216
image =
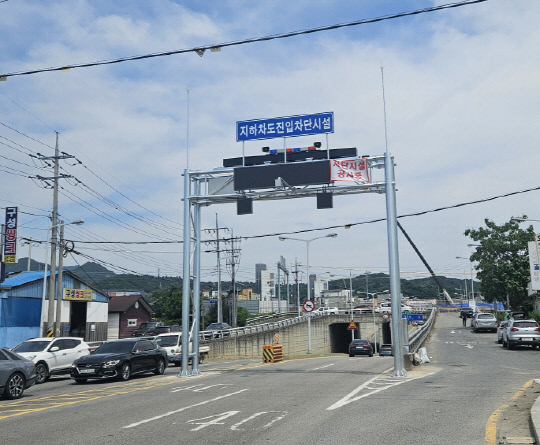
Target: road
pixel 331 400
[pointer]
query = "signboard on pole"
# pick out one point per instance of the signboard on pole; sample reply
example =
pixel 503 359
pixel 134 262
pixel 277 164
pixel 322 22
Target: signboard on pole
pixel 78 294
pixel 352 326
pixel 349 170
pixel 413 317
pixel 308 305
pixel 289 126
pixel 10 235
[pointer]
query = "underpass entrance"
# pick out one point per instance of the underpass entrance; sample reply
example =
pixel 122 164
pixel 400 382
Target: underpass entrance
pixel 340 337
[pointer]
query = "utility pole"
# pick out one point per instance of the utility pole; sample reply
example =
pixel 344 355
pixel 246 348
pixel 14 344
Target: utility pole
pixel 59 290
pixel 51 286
pixel 218 252
pixel 295 272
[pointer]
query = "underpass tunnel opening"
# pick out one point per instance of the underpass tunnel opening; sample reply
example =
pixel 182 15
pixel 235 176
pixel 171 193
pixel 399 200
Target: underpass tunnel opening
pixel 340 337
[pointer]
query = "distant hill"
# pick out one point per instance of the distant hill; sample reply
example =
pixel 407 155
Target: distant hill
pixel 106 280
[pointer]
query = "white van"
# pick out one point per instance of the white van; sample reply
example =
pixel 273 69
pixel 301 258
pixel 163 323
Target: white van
pixel 172 343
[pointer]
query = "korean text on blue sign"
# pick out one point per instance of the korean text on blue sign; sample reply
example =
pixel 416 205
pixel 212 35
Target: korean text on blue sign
pixel 413 317
pixel 10 236
pixel 290 126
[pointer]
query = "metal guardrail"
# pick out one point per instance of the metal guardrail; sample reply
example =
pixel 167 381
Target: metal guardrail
pixel 235 332
pixel 419 335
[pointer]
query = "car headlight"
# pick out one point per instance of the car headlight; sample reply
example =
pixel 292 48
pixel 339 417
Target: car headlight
pixel 111 363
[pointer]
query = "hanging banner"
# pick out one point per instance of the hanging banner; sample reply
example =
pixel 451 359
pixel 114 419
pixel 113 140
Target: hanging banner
pixel 78 294
pixel 10 235
pixel 349 170
pixel 289 126
pixel 534 261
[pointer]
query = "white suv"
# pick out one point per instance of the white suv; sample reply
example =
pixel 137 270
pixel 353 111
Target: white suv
pixel 52 355
pixel 326 311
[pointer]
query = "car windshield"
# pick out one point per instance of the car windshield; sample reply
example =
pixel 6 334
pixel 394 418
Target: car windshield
pixel 169 340
pixel 360 342
pixel 147 325
pixel 486 316
pixel 525 324
pixel 31 346
pixel 115 347
pixel 214 326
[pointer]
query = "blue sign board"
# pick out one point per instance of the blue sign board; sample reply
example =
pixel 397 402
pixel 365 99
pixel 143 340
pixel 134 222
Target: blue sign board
pixel 289 126
pixel 212 301
pixel 413 317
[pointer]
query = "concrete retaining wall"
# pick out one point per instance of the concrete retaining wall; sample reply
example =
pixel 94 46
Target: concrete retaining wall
pixel 294 338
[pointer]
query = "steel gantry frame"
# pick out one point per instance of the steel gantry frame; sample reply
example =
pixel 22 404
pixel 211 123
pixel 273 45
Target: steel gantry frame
pixel 200 190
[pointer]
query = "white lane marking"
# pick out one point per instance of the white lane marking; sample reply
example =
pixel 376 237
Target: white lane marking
pixel 185 388
pixel 278 417
pixel 322 367
pixel 349 398
pixel 216 420
pixel 170 413
pixel 197 389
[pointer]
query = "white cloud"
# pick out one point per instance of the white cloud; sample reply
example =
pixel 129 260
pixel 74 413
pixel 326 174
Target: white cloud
pixel 461 95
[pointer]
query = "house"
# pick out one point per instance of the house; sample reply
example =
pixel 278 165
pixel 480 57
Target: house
pixel 24 312
pixel 126 313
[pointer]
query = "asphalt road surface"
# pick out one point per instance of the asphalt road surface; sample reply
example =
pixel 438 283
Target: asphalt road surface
pixel 454 399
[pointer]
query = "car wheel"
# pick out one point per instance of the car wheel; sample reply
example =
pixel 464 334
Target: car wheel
pixel 42 373
pixel 14 387
pixel 351 355
pixel 160 368
pixel 371 355
pixel 81 380
pixel 125 372
pixel 509 345
pixel 499 340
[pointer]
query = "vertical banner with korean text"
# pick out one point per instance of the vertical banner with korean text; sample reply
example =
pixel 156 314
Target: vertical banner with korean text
pixel 10 236
pixel 351 170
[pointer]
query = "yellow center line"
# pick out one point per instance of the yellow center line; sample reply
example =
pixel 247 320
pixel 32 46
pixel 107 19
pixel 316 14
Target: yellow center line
pixel 491 426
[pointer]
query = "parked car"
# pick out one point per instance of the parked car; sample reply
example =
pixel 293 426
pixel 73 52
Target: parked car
pixel 145 327
pixel 521 332
pixel 172 343
pixel 502 327
pixel 326 311
pixel 360 347
pixel 16 374
pixel 386 349
pixel 120 359
pixel 466 311
pixel 484 321
pixel 161 330
pixel 52 356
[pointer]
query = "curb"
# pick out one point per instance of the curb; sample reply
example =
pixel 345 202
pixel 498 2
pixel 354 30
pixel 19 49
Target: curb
pixel 535 418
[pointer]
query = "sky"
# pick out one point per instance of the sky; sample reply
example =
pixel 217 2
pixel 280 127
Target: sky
pixel 461 93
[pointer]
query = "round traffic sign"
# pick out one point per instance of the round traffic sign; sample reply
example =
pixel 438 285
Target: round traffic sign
pixel 308 305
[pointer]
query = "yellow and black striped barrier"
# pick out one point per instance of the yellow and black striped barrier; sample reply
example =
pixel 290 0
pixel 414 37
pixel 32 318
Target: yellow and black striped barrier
pixel 272 353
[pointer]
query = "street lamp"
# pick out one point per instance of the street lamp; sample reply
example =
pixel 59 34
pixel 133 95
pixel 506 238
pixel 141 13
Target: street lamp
pixel 472 282
pixel 307 241
pixel 77 222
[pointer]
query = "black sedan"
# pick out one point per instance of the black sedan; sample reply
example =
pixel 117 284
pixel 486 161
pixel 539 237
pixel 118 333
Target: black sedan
pixel 120 359
pixel 386 349
pixel 360 347
pixel 16 374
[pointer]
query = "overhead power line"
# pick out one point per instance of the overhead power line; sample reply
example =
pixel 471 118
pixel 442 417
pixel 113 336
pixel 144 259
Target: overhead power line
pixel 201 49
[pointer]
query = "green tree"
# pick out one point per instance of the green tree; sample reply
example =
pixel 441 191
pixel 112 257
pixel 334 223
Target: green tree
pixel 503 261
pixel 167 302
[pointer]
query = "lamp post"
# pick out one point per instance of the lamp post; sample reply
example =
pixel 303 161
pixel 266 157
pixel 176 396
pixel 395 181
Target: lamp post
pixel 307 241
pixel 51 303
pixel 472 268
